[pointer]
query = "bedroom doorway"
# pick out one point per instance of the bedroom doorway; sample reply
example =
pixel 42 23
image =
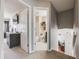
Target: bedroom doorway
pixel 40 29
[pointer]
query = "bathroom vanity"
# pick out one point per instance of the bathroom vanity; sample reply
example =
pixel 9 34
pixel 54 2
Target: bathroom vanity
pixel 13 39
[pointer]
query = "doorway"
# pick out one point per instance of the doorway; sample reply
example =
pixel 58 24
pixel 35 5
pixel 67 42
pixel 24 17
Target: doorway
pixel 17 41
pixel 40 29
pixel 6 26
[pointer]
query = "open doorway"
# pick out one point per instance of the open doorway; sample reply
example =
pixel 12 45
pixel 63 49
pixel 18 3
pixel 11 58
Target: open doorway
pixel 16 31
pixel 40 29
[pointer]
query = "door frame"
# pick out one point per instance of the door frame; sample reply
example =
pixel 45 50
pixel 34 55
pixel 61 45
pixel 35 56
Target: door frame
pixel 30 26
pixel 48 39
pixel 29 30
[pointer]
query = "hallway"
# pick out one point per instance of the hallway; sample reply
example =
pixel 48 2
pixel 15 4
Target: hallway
pixel 48 55
pixel 17 53
pixel 61 15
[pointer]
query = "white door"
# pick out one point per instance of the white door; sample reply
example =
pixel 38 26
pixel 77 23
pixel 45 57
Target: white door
pixel 69 42
pixel 24 35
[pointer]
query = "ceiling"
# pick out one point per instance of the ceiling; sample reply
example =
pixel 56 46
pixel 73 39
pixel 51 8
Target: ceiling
pixel 61 5
pixel 12 7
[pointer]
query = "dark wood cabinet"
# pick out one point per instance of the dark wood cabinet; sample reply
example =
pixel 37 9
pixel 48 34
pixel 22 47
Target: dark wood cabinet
pixel 13 40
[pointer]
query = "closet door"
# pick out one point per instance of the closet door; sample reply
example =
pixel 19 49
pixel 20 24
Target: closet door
pixel 69 43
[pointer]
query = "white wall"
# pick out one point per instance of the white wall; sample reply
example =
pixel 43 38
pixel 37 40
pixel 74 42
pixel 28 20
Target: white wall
pixel 12 7
pixel 53 29
pixel 41 12
pixel 1 27
pixel 34 3
pixel 76 27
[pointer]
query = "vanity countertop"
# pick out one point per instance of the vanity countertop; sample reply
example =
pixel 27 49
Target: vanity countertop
pixel 12 33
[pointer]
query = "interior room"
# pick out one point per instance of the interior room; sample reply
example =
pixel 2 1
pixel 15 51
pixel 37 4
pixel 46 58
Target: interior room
pixel 40 29
pixel 15 29
pixel 40 23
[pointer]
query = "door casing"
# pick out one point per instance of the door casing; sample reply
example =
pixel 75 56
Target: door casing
pixel 48 41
